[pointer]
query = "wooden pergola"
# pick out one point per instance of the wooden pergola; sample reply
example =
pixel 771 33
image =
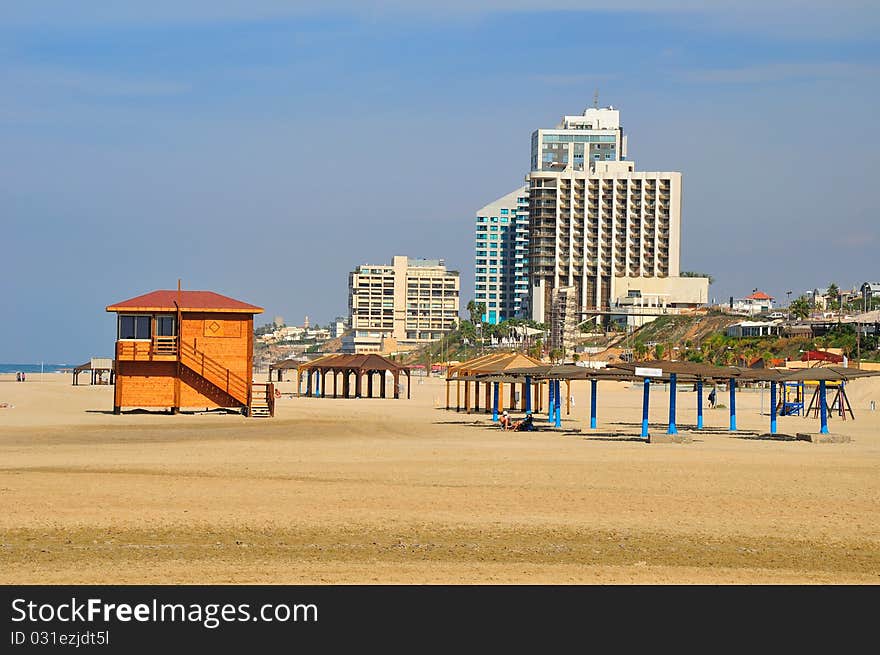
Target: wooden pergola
pixel 364 368
pixel 465 376
pixel 283 365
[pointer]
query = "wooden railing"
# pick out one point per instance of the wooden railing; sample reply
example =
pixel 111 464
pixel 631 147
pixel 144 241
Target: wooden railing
pixel 263 393
pixel 165 345
pixel 145 350
pixel 214 372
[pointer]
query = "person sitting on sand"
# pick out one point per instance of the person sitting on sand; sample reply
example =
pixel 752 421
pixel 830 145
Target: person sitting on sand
pixel 504 421
pixel 525 425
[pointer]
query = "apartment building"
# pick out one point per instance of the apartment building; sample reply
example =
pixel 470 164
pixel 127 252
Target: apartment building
pixel 501 262
pixel 400 306
pixel 606 233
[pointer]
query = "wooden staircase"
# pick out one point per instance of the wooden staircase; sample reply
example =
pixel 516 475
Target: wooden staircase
pixel 262 402
pixel 227 389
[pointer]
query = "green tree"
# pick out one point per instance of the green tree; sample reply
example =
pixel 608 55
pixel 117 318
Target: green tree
pixel 640 350
pixel 658 351
pixel 476 311
pixel 833 295
pixel 800 307
pixel 695 274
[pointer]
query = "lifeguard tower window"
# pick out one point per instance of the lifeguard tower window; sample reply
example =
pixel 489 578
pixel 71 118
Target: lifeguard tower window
pixel 134 327
pixel 166 326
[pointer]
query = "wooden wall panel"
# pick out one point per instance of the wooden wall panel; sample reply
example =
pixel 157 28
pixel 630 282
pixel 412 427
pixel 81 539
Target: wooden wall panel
pixel 230 346
pixel 146 384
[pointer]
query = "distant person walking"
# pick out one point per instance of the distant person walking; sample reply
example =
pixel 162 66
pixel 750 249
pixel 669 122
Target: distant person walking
pixel 712 397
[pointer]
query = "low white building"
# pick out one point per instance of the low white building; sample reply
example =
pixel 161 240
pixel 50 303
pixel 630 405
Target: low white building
pixel 755 329
pixel 757 303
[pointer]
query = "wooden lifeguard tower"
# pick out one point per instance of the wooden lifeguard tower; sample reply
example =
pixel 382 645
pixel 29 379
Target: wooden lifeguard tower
pixel 187 349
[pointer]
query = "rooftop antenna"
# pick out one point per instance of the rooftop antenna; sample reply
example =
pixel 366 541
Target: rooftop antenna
pixel 596 98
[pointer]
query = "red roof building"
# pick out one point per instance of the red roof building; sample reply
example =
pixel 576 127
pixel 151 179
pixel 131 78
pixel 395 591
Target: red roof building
pixel 187 349
pixel 166 300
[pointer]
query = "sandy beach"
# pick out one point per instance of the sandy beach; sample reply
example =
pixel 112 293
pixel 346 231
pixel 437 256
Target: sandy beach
pixel 385 491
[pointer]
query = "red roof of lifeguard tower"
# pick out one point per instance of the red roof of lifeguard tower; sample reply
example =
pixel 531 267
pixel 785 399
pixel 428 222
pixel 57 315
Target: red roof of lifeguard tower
pixel 190 301
pixel 759 295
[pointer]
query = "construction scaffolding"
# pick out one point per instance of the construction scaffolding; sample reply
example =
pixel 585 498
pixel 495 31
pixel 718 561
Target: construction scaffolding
pixel 564 318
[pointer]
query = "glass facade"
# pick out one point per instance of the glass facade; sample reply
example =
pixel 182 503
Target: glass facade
pixel 501 262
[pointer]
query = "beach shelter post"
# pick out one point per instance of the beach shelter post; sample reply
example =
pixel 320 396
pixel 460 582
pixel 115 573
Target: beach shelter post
pixel 527 394
pixel 731 383
pixel 823 405
pixel 477 395
pixel 773 408
pixel 494 402
pixel 593 388
pixel 700 404
pixel 645 398
pixel 550 404
pixel 673 384
pixel 558 412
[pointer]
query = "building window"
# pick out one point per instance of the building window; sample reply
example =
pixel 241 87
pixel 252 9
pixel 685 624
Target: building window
pixel 166 326
pixel 134 327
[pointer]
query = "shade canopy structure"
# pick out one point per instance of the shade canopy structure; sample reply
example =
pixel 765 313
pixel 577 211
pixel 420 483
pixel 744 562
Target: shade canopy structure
pixel 672 372
pixel 283 365
pixel 493 363
pixel 469 381
pixel 827 373
pixel 360 367
pixel 97 371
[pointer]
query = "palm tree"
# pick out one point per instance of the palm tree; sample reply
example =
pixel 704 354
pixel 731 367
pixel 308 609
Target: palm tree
pixel 833 294
pixel 799 308
pixel 476 311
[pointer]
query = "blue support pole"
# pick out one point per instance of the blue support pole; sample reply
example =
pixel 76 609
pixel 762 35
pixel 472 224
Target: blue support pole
pixel 528 397
pixel 803 398
pixel 495 402
pixel 593 388
pixel 823 407
pixel 732 387
pixel 550 402
pixel 558 412
pixel 699 404
pixel 772 408
pixel 317 384
pixel 645 407
pixel 673 384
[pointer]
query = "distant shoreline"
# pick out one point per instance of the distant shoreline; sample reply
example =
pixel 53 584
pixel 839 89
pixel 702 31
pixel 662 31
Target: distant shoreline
pixel 34 368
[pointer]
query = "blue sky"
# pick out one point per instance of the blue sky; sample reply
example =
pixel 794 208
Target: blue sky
pixel 263 149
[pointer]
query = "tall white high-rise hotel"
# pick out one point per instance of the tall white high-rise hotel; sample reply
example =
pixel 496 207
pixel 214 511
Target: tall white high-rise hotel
pixel 600 233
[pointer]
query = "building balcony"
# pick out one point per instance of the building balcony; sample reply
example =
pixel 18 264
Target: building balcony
pixel 159 349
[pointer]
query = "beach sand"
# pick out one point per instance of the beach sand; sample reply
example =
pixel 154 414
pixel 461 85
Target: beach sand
pixel 401 491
